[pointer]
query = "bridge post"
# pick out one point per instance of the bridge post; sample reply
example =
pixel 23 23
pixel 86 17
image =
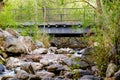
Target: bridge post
pixel 61 17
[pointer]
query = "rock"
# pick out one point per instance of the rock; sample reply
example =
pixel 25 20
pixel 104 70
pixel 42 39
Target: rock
pixel 45 62
pixel 89 77
pixel 27 66
pixel 79 72
pixel 65 51
pixel 2 60
pixel 34 77
pixel 13 63
pixel 111 69
pixel 40 51
pixel 67 62
pixel 59 78
pixel 76 63
pixel 117 75
pixel 48 79
pixel 32 57
pixel 83 52
pixel 111 78
pixel 68 75
pixel 23 75
pixel 28 42
pixel 37 66
pixel 48 59
pixel 6 34
pixel 52 50
pixel 1 33
pixel 95 70
pixel 13 32
pixel 39 44
pixel 7 75
pixel 44 74
pixel 56 68
pixel 2 69
pixel 14 46
pixel 7 78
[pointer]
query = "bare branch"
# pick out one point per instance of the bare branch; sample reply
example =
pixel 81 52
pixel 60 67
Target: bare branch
pixel 90 4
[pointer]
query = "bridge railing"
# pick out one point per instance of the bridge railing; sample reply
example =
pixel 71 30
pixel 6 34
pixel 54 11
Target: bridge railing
pixel 55 15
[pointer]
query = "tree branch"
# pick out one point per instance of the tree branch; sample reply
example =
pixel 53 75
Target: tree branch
pixel 90 4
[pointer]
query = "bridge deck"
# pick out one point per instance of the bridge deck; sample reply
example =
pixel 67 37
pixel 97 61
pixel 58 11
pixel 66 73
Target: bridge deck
pixel 61 29
pixel 49 24
pixel 65 31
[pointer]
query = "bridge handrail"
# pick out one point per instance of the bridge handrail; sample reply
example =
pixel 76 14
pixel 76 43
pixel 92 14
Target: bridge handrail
pixel 54 14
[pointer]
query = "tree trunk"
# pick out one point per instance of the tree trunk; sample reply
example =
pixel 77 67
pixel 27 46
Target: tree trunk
pixel 99 6
pixel 1 5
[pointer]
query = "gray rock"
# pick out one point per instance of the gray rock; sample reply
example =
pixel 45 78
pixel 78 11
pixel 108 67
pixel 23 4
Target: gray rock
pixel 68 75
pixel 49 58
pixel 23 75
pixel 27 66
pixel 95 70
pixel 32 57
pixel 89 77
pixel 52 50
pixel 39 44
pixel 117 75
pixel 48 79
pixel 45 74
pixel 75 63
pixel 2 33
pixel 13 32
pixel 40 51
pixel 37 66
pixel 13 63
pixel 55 68
pixel 34 77
pixel 111 69
pixel 65 51
pixel 45 62
pixel 28 43
pixel 59 78
pixel 14 45
pixel 80 72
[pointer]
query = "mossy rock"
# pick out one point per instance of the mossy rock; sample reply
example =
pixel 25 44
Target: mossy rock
pixel 2 62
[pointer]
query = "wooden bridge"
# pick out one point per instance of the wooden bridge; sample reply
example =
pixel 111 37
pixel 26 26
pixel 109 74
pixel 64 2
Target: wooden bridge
pixel 57 21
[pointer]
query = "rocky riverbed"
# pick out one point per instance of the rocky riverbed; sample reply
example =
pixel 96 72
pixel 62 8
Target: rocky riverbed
pixel 23 59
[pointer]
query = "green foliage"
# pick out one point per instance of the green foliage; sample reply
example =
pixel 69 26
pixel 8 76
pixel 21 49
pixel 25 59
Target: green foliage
pixel 35 33
pixel 106 35
pixel 7 17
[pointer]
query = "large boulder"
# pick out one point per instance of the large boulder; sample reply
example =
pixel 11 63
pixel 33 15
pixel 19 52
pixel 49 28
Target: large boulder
pixel 19 45
pixel 13 32
pixel 14 45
